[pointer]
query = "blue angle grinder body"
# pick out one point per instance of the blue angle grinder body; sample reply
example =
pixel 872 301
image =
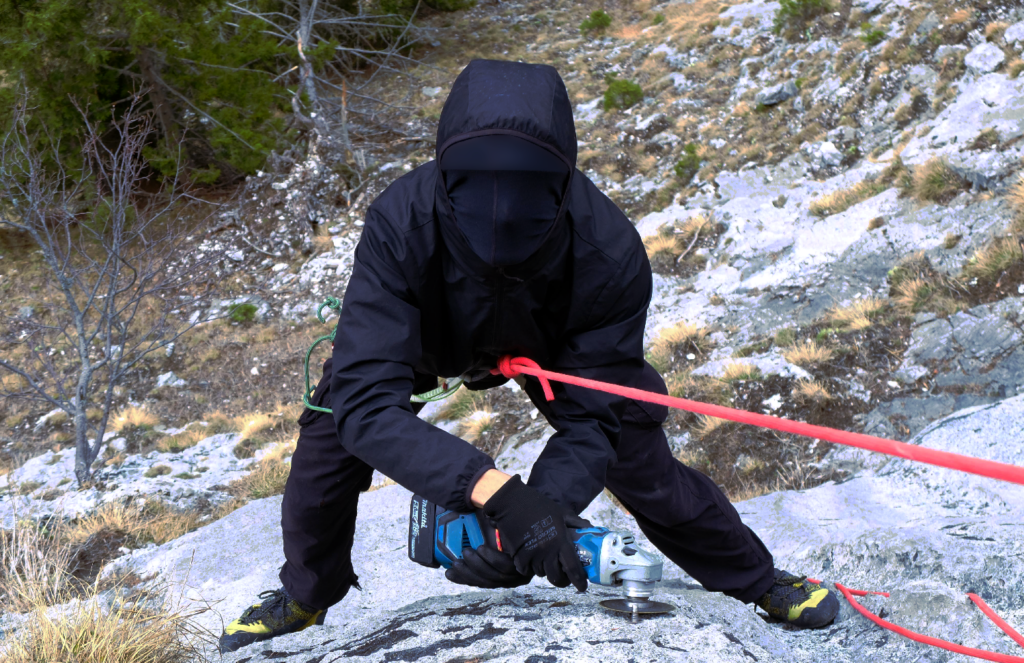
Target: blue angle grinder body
pixel 611 558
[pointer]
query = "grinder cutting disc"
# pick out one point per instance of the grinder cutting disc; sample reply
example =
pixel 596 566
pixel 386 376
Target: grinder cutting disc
pixel 638 607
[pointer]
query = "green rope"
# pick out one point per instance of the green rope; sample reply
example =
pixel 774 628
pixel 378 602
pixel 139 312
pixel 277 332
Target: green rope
pixel 332 303
pixel 447 388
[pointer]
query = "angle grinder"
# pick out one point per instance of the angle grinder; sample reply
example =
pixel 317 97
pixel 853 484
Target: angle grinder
pixel 611 558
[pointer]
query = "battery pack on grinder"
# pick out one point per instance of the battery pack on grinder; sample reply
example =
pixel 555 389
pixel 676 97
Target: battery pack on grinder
pixel 437 537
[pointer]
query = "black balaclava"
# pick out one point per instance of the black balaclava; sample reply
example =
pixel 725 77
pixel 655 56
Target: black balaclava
pixel 505 194
pixel 506 149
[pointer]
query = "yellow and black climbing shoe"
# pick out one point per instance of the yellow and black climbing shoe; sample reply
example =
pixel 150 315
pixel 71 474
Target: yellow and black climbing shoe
pixel 277 614
pixel 796 600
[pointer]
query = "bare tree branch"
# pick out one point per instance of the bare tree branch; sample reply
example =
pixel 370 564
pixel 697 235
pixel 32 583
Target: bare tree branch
pixel 116 266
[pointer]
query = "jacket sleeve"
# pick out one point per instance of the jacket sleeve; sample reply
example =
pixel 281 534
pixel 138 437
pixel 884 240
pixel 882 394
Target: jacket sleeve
pixel 375 350
pixel 571 469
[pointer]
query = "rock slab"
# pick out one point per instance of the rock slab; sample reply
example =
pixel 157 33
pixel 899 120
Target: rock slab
pixel 927 535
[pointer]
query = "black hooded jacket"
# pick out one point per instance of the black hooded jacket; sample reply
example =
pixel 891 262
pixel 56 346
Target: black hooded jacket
pixel 423 302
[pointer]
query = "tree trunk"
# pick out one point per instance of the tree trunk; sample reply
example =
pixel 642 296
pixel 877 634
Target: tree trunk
pixel 83 453
pixel 165 113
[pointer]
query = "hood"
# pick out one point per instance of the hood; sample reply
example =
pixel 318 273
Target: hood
pixel 506 151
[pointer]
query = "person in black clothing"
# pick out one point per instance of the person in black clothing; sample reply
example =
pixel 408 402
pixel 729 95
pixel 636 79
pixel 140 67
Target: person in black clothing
pixel 501 247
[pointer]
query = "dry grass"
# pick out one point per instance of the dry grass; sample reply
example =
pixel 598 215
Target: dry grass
pixel 141 628
pixel 152 522
pixel 708 425
pixel 33 565
pixel 960 16
pixel 663 246
pixel 267 477
pixel 915 294
pixel 682 336
pixel 844 199
pixel 461 404
pixel 1000 255
pixel 858 315
pixel 994 30
pixel 695 224
pixel 478 423
pixel 1016 194
pixel 134 418
pixel 698 388
pixel 668 247
pixel 808 354
pixel 187 438
pixel 935 181
pixel 738 372
pixel 809 391
pixel 157 471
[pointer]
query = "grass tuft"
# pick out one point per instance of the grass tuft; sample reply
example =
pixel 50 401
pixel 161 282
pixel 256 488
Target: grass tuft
pixel 140 628
pixel 999 256
pixel 680 338
pixel 935 181
pixel 478 423
pixel 844 199
pixel 809 391
pixel 134 418
pixel 708 425
pixel 157 470
pixel 808 354
pixel 190 437
pixel 738 372
pixel 858 315
pixel 461 404
pixel 267 478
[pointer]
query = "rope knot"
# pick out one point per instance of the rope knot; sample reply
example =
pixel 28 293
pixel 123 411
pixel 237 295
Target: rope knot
pixel 514 367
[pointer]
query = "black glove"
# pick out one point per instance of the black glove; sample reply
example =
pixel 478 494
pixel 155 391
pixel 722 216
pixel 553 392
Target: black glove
pixel 535 531
pixel 486 567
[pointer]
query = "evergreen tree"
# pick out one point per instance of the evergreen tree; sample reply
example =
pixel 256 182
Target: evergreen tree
pixel 207 71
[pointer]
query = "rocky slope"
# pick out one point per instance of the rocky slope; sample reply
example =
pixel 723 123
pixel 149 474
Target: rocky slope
pixel 812 178
pixel 926 535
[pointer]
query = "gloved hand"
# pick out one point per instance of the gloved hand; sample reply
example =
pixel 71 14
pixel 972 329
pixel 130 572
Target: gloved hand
pixel 535 531
pixel 486 567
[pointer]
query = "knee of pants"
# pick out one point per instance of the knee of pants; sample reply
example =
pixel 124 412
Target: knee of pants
pixel 647 415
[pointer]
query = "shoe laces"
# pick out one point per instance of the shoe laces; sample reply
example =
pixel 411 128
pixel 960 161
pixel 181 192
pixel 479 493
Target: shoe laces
pixel 274 598
pixel 786 586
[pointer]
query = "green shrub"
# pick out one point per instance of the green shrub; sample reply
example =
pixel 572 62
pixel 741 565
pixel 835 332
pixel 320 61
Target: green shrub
pixel 658 19
pixel 688 166
pixel 242 313
pixel 795 14
pixel 598 21
pixel 621 93
pixel 871 36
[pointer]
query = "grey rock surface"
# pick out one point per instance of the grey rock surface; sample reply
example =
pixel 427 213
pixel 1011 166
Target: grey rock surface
pixel 984 58
pixel 776 94
pixel 927 535
pixel 1014 33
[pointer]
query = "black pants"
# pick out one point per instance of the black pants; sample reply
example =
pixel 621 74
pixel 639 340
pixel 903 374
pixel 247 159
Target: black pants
pixel 680 510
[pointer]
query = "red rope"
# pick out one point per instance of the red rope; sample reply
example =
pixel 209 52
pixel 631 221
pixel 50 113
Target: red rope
pixel 936 642
pixel 1006 628
pixel 514 367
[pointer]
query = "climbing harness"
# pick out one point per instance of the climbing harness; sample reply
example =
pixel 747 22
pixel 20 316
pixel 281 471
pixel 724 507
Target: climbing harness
pixel 448 385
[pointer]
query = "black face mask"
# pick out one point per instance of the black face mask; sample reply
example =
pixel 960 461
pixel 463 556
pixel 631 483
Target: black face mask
pixel 505 214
